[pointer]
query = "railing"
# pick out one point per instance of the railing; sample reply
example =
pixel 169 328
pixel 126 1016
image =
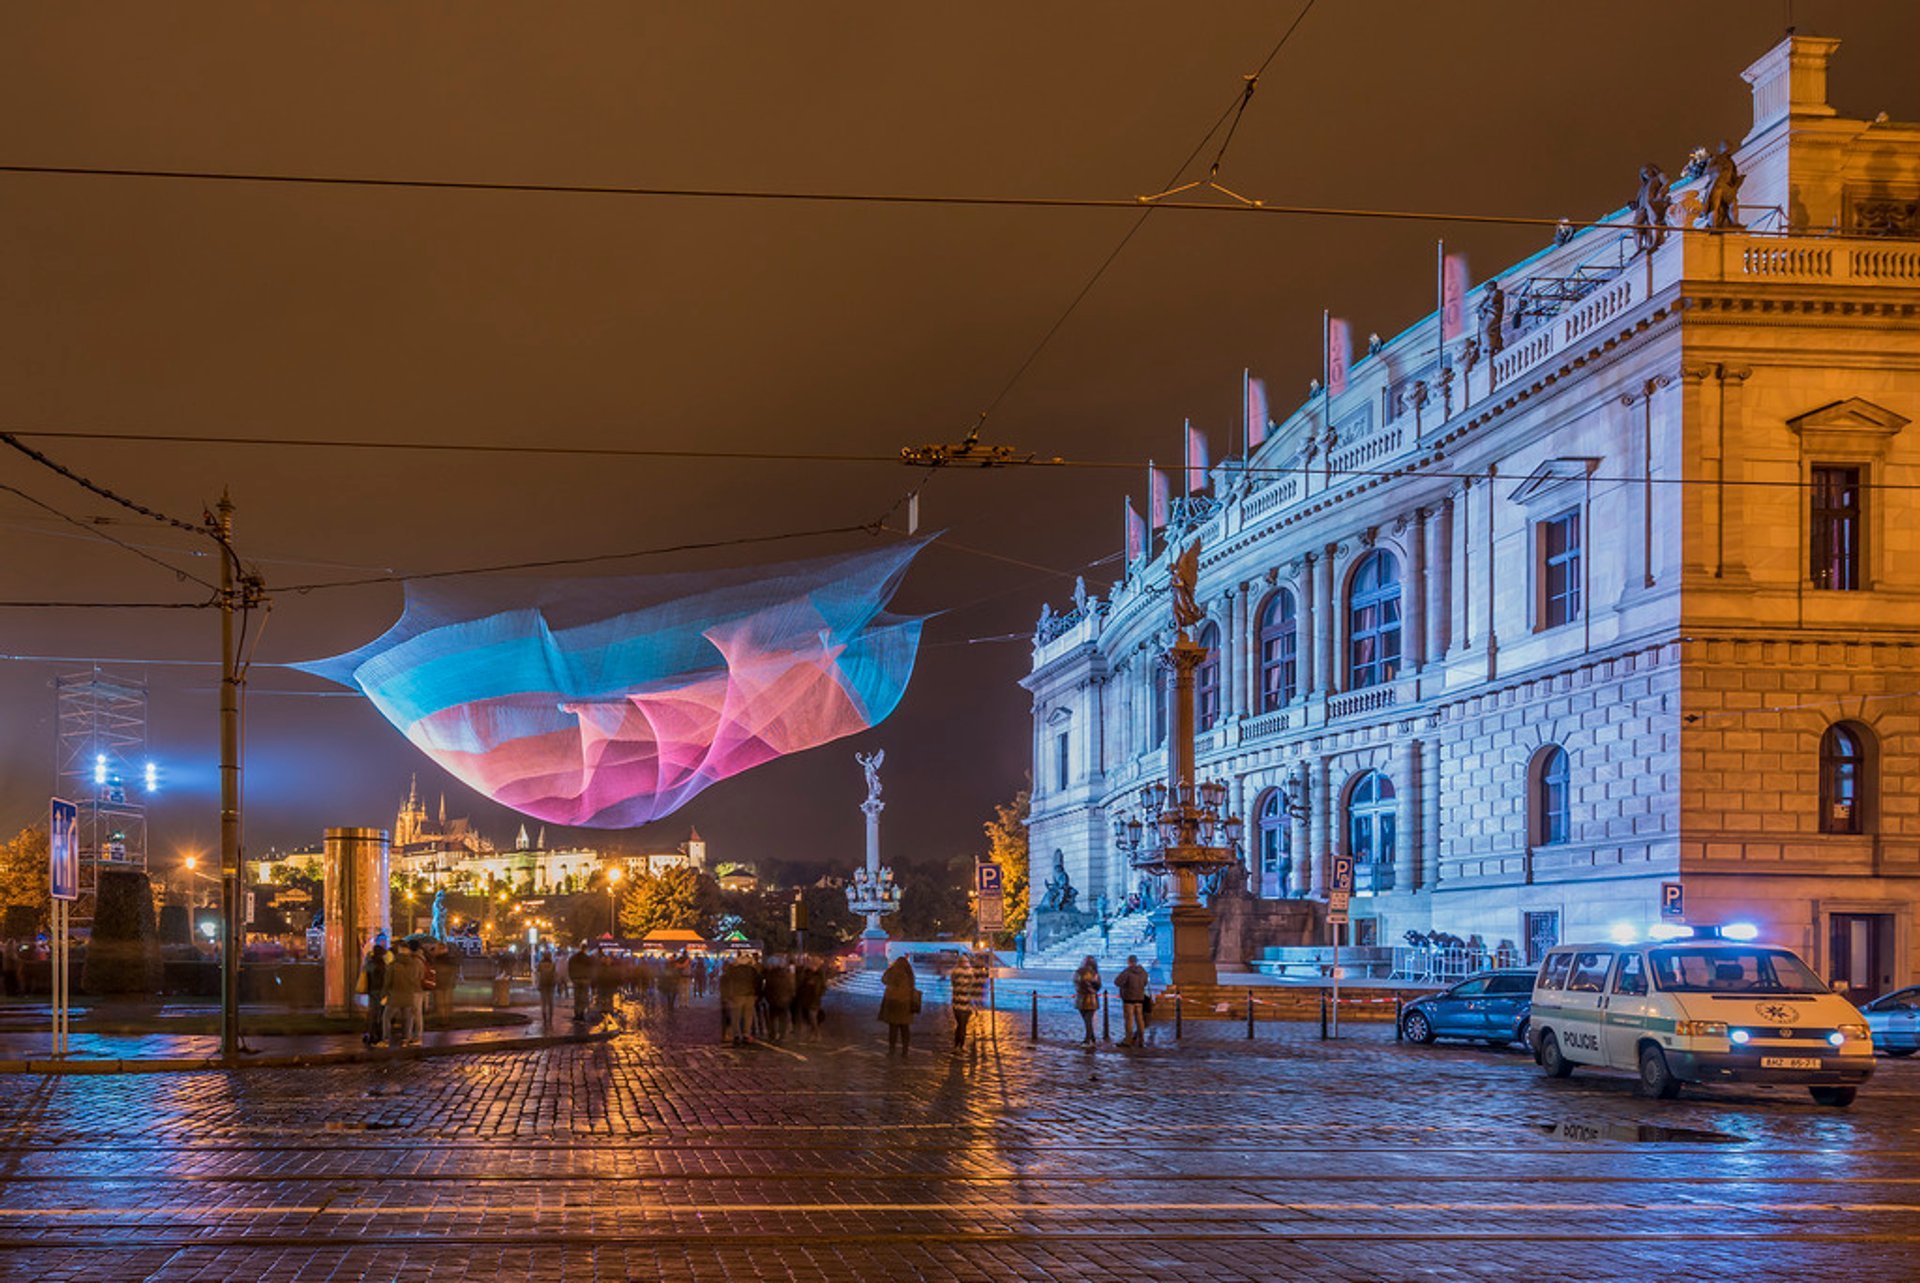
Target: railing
pixel 1268 498
pixel 1786 260
pixel 1370 700
pixel 1265 724
pixel 1430 962
pixel 1359 455
pixel 1603 306
pixel 1730 256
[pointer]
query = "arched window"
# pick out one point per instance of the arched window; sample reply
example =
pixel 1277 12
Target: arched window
pixel 1843 779
pixel 1274 840
pixel 1206 680
pixel 1279 652
pixel 1373 621
pixel 1370 831
pixel 1551 797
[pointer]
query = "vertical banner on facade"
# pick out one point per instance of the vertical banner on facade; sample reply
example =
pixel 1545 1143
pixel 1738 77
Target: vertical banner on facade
pixel 1453 296
pixel 1256 408
pixel 1136 535
pixel 1158 497
pixel 1196 453
pixel 1339 355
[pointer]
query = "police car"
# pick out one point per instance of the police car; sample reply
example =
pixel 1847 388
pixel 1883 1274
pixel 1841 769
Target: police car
pixel 1705 1006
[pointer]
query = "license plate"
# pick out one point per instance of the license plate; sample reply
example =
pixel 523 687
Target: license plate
pixel 1789 1062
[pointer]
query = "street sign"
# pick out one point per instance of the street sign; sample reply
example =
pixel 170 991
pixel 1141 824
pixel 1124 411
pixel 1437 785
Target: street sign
pixel 1673 900
pixel 63 850
pixel 1343 873
pixel 987 879
pixel 1338 901
pixel 1337 918
pixel 992 912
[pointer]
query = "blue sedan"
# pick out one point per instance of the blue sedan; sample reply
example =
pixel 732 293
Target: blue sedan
pixel 1492 1006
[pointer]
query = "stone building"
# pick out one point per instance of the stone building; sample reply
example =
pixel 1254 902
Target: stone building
pixel 1618 589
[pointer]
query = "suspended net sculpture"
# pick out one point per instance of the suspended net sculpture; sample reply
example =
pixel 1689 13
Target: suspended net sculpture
pixel 611 702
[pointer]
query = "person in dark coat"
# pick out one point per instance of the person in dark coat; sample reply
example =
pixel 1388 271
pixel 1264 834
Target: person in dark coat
pixel 1086 995
pixel 580 972
pixel 373 972
pixel 898 1003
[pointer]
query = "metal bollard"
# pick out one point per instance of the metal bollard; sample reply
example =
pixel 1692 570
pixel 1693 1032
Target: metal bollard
pixel 1106 1024
pixel 1176 1017
pixel 1033 1028
pixel 1398 1003
pixel 1249 1015
pixel 1323 1017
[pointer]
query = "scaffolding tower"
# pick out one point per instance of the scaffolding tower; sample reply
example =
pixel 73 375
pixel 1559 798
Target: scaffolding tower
pixel 103 769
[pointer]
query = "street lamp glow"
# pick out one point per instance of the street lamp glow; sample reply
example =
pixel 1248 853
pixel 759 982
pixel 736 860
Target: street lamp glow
pixel 152 778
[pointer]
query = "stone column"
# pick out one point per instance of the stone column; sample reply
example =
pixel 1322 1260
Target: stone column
pixel 873 941
pixel 1320 840
pixel 1237 805
pixel 1733 437
pixel 1405 773
pixel 1440 583
pixel 1461 590
pixel 1430 797
pixel 1307 627
pixel 1233 627
pixel 1415 630
pixel 1323 628
pixel 1301 844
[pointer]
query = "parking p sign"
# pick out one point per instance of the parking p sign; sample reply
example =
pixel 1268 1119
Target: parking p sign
pixel 1673 900
pixel 987 879
pixel 1343 873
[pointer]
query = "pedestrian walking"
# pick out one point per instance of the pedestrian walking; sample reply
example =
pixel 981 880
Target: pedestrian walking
pixel 1131 985
pixel 373 983
pixel 608 976
pixel 673 982
pixel 406 995
pixel 1106 935
pixel 969 985
pixel 580 969
pixel 1086 995
pixel 900 1003
pixel 777 984
pixel 739 991
pixel 1019 949
pixel 809 989
pixel 546 978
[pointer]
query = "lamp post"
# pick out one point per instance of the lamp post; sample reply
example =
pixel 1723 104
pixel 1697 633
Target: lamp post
pixel 613 883
pixel 1180 828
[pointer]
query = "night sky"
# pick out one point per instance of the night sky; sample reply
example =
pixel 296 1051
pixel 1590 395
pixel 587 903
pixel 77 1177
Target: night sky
pixel 431 316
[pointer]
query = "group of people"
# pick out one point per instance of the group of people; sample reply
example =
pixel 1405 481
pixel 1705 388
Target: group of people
pixel 597 979
pixel 397 980
pixel 901 999
pixel 1130 986
pixel 766 999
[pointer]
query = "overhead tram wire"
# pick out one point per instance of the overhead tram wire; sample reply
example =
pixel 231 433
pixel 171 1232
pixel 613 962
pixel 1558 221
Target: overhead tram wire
pixel 96 532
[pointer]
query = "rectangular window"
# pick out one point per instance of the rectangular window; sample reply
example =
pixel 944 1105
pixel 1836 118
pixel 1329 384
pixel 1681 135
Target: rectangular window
pixel 1553 975
pixel 1632 976
pixel 1559 540
pixel 1833 537
pixel 1589 973
pixel 1060 763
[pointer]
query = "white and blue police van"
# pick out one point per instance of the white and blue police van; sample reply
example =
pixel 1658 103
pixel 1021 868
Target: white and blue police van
pixel 1705 1005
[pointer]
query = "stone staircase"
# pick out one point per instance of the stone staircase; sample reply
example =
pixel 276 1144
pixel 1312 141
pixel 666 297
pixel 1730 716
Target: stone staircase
pixel 1128 936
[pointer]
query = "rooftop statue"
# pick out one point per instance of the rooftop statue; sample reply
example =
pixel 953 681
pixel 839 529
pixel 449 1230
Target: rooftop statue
pixel 1722 212
pixel 1493 316
pixel 1650 208
pixel 1187 611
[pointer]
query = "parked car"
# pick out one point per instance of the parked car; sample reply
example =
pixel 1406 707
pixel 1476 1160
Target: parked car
pixel 1490 1006
pixel 1894 1019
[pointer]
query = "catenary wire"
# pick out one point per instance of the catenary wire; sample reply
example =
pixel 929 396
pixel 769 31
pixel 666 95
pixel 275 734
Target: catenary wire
pixel 95 532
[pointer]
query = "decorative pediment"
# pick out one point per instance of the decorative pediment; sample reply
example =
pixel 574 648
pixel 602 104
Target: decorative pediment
pixel 1547 482
pixel 1854 417
pixel 1060 714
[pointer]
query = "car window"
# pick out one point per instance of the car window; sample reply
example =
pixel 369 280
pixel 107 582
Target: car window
pixel 1589 972
pixel 1468 989
pixel 1898 1000
pixel 1553 973
pixel 1632 976
pixel 1692 969
pixel 1510 984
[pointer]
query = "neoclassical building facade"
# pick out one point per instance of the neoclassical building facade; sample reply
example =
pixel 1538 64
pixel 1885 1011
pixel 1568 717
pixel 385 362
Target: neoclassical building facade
pixel 1618 589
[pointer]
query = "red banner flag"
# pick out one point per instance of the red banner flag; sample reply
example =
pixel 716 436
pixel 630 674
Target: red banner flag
pixel 1339 355
pixel 1159 501
pixel 1256 412
pixel 1136 535
pixel 1196 459
pixel 1453 296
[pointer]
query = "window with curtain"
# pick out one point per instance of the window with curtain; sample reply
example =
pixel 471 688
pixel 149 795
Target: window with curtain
pixel 1371 819
pixel 1373 621
pixel 1279 652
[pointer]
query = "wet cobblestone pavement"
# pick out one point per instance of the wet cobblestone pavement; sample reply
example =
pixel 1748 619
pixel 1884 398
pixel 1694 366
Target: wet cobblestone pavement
pixel 664 1155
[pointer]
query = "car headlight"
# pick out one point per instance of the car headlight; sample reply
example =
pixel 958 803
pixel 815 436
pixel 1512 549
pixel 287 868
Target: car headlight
pixel 1846 1032
pixel 1700 1028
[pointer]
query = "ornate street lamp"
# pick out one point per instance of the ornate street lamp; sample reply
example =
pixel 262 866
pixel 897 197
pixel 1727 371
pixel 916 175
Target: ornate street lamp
pixel 1180 830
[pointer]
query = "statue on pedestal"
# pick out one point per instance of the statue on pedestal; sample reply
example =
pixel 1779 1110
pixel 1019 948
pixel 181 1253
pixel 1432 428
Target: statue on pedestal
pixel 1187 610
pixel 1059 895
pixel 871 763
pixel 439 914
pixel 1650 208
pixel 1722 212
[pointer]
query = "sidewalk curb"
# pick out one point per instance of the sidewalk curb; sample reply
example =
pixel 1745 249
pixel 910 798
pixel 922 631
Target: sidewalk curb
pixel 201 1064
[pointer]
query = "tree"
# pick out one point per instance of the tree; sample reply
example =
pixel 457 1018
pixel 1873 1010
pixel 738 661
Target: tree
pixel 676 899
pixel 123 954
pixel 23 875
pixel 935 901
pixel 1007 847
